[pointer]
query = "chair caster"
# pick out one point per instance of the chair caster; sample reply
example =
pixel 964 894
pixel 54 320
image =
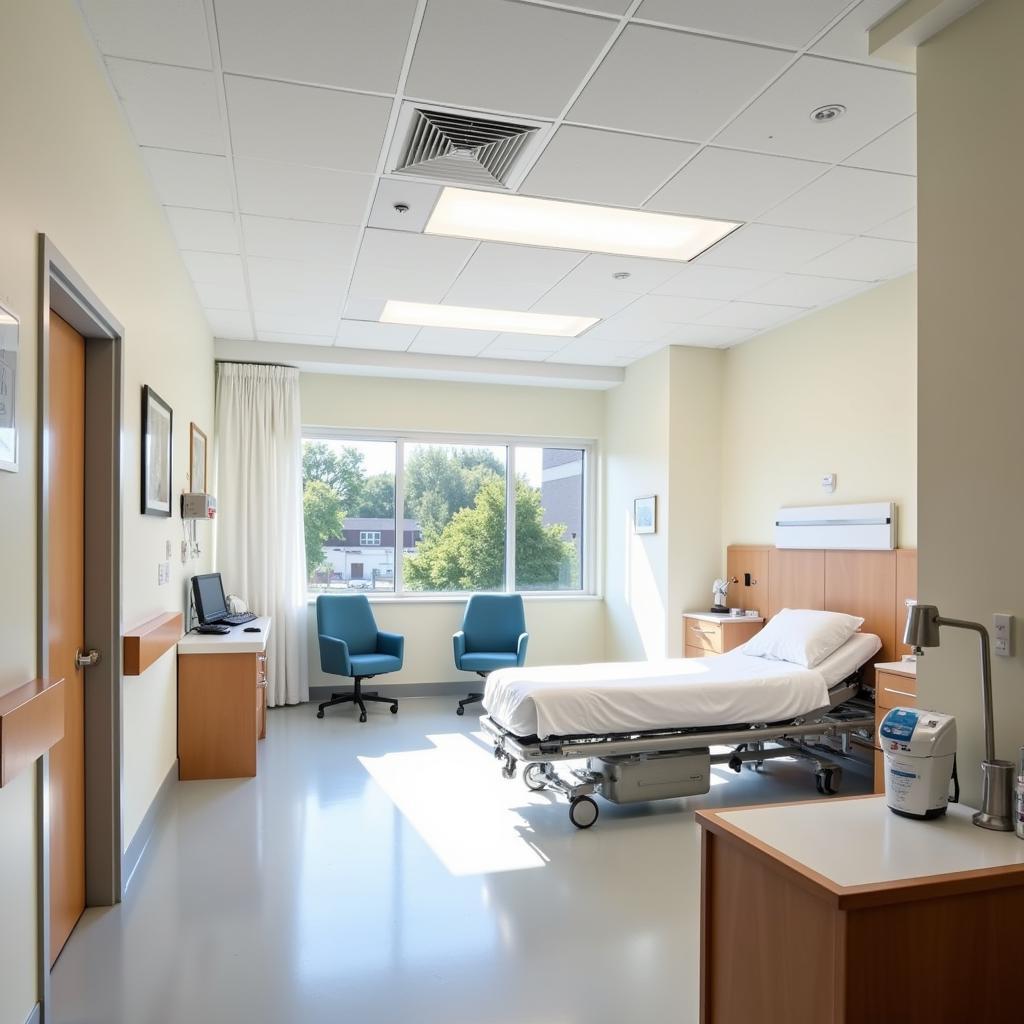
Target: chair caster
pixel 583 811
pixel 362 717
pixel 394 709
pixel 319 714
pixel 828 780
pixel 460 711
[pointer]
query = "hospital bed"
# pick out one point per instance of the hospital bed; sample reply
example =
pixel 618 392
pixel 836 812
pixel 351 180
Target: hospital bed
pixel 646 729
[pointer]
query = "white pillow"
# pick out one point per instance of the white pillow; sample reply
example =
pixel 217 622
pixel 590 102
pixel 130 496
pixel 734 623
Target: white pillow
pixel 802 636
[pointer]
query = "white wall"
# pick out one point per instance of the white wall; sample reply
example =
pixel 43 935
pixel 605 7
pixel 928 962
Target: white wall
pixel 834 392
pixel 562 629
pixel 971 369
pixel 71 169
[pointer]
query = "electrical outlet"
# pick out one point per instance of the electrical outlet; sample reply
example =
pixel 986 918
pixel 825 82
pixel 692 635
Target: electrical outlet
pixel 163 573
pixel 167 551
pixel 1002 635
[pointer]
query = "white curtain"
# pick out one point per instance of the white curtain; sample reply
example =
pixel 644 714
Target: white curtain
pixel 260 545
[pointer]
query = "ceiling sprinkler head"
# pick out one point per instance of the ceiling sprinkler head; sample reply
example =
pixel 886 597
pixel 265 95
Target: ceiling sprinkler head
pixel 621 275
pixel 401 207
pixel 829 112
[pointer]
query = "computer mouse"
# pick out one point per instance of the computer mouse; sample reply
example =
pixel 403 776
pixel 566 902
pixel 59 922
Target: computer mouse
pixel 252 629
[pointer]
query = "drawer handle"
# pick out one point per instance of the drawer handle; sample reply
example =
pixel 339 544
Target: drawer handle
pixel 901 693
pixel 704 632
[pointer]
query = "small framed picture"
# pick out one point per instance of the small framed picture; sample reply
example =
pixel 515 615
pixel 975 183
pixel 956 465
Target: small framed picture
pixel 197 459
pixel 9 327
pixel 645 514
pixel 157 434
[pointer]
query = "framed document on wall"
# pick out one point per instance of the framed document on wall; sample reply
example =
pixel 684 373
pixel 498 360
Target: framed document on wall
pixel 9 327
pixel 197 459
pixel 157 435
pixel 645 514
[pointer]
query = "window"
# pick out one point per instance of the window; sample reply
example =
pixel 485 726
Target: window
pixel 463 530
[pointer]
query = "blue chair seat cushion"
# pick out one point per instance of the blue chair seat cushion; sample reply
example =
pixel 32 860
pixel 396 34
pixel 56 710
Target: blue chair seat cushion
pixel 479 661
pixel 374 664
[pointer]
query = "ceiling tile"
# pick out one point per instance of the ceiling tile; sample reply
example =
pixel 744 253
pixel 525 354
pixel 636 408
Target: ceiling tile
pixel 849 38
pixel 672 309
pixel 779 120
pixel 229 323
pixel 896 150
pixel 901 229
pixel 274 189
pixel 802 290
pixel 358 308
pixel 298 239
pixel 865 259
pixel 283 302
pixel 203 230
pixel 580 353
pixel 190 179
pixel 588 165
pixel 663 82
pixel 500 351
pixel 573 300
pixel 600 6
pixel 364 334
pixel 510 276
pixel 763 247
pixel 791 23
pixel 358 44
pixel 755 315
pixel 417 195
pixel 450 342
pixel 701 282
pixel 289 338
pixel 623 329
pixel 304 125
pixel 220 296
pixel 706 335
pixel 732 184
pixel 301 323
pixel 495 55
pixel 536 343
pixel 175 108
pixel 846 199
pixel 406 284
pixel 400 249
pixel 215 268
pixel 597 269
pixel 310 279
pixel 155 30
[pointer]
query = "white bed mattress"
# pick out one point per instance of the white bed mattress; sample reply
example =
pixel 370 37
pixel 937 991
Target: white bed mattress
pixel 730 689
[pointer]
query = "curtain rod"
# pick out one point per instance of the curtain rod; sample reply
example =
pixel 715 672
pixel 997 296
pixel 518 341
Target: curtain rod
pixel 253 362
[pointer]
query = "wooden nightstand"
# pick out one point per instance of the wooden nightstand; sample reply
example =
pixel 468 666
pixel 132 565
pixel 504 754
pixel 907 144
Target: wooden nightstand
pixel 895 687
pixel 706 633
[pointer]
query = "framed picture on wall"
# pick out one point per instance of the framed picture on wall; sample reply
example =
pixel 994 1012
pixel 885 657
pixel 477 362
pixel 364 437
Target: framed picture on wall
pixel 157 434
pixel 9 328
pixel 645 514
pixel 197 459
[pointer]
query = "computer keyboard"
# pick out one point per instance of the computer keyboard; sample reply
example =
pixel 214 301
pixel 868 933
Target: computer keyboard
pixel 238 620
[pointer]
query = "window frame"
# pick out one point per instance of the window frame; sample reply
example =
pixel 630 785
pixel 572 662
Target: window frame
pixel 588 554
pixel 363 534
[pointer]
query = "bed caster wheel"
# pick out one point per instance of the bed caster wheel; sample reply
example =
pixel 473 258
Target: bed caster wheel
pixel 828 780
pixel 582 811
pixel 736 763
pixel 394 709
pixel 534 777
pixel 508 772
pixel 460 711
pixel 362 717
pixel 320 714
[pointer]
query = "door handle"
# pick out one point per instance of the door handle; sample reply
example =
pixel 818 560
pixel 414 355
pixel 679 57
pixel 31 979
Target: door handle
pixel 86 659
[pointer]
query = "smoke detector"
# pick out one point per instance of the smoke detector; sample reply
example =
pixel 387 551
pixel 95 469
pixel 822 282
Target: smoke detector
pixel 830 112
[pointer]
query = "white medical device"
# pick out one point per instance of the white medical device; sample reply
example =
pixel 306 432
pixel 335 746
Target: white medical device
pixel 920 751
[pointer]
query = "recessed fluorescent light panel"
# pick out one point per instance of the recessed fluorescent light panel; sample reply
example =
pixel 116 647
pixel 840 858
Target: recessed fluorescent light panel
pixel 472 318
pixel 526 220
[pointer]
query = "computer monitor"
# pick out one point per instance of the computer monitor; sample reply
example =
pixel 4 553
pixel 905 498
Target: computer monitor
pixel 208 593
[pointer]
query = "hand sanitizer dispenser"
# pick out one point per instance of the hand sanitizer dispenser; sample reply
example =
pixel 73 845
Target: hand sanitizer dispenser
pixel 919 748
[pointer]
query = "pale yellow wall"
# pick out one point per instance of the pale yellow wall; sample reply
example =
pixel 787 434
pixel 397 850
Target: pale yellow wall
pixel 834 392
pixel 971 368
pixel 71 169
pixel 563 629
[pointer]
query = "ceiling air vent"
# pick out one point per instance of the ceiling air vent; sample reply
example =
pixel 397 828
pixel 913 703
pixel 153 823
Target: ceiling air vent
pixel 461 148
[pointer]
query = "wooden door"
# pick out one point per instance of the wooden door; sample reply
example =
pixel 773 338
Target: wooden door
pixel 65 517
pixel 357 570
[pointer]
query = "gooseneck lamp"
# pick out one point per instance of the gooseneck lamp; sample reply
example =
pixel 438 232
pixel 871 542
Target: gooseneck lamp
pixel 922 630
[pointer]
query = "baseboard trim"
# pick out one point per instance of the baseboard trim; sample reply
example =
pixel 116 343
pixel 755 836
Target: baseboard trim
pixel 35 1016
pixel 399 690
pixel 137 847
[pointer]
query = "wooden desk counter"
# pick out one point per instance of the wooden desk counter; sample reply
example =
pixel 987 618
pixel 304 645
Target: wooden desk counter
pixel 222 702
pixel 841 912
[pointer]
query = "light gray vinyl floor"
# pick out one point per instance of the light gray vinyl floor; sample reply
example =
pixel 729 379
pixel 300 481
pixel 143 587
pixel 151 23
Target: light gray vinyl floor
pixel 385 873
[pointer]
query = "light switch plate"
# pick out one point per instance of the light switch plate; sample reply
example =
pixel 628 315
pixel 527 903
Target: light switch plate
pixel 1002 635
pixel 163 573
pixel 167 551
pixel 828 483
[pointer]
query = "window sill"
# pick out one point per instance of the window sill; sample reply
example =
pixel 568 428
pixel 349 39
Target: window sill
pixel 399 599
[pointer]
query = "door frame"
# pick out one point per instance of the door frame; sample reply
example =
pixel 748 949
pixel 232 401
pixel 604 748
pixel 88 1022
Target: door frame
pixel 64 292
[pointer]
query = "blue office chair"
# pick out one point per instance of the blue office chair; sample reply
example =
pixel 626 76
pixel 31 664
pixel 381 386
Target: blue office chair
pixel 493 636
pixel 351 645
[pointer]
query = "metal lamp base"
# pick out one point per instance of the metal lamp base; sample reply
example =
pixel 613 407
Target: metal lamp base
pixel 996 797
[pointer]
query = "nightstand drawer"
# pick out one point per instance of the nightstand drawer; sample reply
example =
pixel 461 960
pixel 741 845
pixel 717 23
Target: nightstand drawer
pixel 893 690
pixel 703 635
pixel 698 652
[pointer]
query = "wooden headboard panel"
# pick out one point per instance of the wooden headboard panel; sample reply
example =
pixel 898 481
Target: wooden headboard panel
pixel 872 584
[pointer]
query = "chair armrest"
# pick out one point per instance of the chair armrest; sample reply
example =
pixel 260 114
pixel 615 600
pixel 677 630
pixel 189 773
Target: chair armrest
pixel 459 647
pixel 524 639
pixel 334 656
pixel 391 643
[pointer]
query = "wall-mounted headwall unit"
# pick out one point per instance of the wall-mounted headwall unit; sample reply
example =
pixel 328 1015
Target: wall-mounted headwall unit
pixel 867 527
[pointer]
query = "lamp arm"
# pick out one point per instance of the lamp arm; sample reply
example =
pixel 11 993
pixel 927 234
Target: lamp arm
pixel 986 678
